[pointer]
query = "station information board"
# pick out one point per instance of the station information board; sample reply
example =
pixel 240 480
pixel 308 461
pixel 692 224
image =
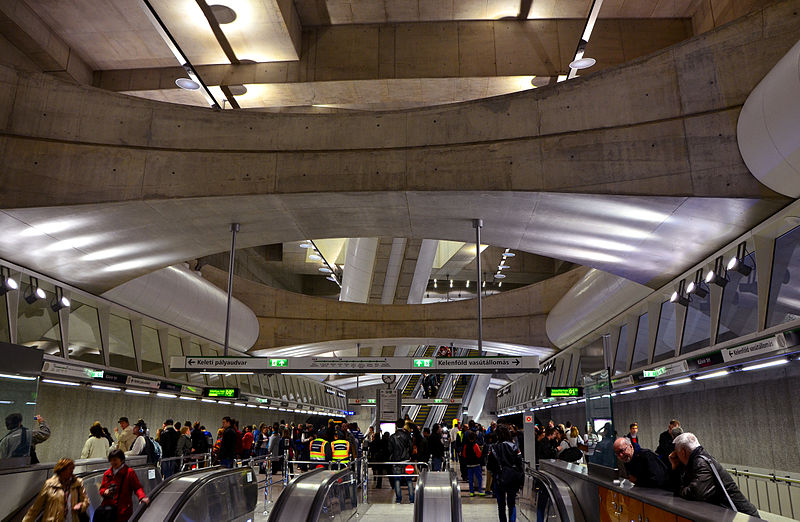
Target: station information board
pixel 228 393
pixel 468 365
pixel 576 391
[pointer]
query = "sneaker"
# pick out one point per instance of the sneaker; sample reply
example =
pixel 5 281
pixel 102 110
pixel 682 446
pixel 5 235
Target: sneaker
pixel 481 494
pixel 398 501
pixel 472 494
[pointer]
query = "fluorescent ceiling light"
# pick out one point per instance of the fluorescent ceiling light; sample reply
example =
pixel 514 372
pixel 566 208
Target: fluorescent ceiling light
pixel 166 395
pixel 17 377
pixel 239 404
pixel 679 381
pixel 264 407
pixel 767 364
pixel 6 402
pixel 713 375
pixel 651 387
pixel 105 388
pixel 62 383
pixel 187 398
pixel 625 392
pixel 137 392
pixel 582 63
pixel 223 402
pixel 187 84
pixel 252 406
pixel 208 400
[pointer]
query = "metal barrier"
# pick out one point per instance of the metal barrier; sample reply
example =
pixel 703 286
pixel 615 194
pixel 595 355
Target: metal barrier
pixel 764 491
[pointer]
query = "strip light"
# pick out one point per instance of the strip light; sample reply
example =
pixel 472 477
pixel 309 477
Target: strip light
pixel 105 388
pixel 714 375
pixel 212 401
pixel 62 383
pixel 166 395
pixel 17 377
pixel 137 392
pixel 768 364
pixel 651 387
pixel 679 381
pixel 187 398
pixel 625 392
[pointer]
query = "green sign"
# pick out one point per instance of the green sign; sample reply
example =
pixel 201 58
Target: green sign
pixel 564 392
pixel 95 374
pixel 437 400
pixel 279 363
pixel 229 393
pixel 654 372
pixel 371 401
pixel 422 363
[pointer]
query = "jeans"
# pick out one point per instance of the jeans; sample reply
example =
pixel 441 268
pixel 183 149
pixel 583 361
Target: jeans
pixel 398 487
pixel 506 497
pixel 436 464
pixel 226 463
pixel 475 479
pixel 168 468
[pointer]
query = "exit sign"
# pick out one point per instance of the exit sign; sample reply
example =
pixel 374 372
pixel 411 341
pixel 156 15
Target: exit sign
pixel 564 392
pixel 279 363
pixel 654 372
pixel 437 401
pixel 422 363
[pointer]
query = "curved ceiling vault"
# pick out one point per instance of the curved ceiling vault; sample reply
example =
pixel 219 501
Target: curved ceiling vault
pixel 640 185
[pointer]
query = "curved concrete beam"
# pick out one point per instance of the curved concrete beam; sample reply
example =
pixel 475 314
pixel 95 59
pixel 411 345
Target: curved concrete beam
pixel 666 125
pixel 286 319
pixel 769 127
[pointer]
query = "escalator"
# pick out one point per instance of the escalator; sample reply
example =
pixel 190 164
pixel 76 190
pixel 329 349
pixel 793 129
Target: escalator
pixel 413 382
pixel 204 494
pixel 452 410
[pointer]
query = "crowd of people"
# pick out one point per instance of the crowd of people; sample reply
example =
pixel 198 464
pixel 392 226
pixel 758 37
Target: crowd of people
pixel 679 464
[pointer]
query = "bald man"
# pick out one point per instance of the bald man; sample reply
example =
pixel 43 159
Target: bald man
pixel 642 466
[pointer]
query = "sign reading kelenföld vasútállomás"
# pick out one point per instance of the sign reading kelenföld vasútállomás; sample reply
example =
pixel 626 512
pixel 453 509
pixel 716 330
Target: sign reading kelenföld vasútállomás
pixel 745 351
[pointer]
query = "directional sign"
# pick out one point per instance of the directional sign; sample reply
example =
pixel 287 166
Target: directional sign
pixel 381 365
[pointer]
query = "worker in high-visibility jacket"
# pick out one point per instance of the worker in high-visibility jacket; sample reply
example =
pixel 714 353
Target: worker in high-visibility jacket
pixel 340 448
pixel 320 450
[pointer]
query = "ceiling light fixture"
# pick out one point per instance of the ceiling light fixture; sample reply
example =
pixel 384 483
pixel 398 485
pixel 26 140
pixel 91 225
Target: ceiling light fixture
pixel 60 300
pixel 187 84
pixel 306 244
pixel 713 375
pixel 499 275
pixel 678 296
pixel 768 364
pixel 34 292
pixel 325 270
pixel 105 388
pixel 582 63
pixel 696 286
pixel 17 377
pixel 315 257
pixel 676 382
pixel 137 392
pixel 62 383
pixel 8 282
pixel 223 14
pixel 718 275
pixel 651 387
pixel 737 263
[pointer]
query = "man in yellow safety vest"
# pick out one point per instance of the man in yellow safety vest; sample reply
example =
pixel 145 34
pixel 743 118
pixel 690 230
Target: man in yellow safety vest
pixel 320 450
pixel 340 447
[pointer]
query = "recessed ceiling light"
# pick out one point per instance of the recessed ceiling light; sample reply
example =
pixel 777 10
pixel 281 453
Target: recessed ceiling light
pixel 223 14
pixel 237 90
pixel 325 270
pixel 582 63
pixel 331 278
pixel 306 245
pixel 315 257
pixel 187 84
pixel 499 276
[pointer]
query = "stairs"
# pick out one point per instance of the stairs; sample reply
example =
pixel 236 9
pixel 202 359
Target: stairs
pixel 458 393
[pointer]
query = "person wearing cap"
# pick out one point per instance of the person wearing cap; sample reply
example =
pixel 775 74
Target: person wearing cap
pixel 139 442
pixel 124 437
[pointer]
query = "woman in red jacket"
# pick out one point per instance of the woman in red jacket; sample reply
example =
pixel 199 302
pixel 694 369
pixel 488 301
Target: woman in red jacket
pixel 119 484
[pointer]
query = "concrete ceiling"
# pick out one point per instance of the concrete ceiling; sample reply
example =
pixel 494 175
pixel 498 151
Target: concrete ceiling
pixel 646 239
pixel 307 55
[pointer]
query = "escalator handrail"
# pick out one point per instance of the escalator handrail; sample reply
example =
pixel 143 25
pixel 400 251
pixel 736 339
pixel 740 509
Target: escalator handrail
pixel 420 495
pixel 198 484
pixel 288 491
pixel 547 480
pixel 322 494
pixel 455 498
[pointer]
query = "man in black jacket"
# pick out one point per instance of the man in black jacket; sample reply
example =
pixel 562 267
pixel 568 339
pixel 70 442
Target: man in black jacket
pixel 436 448
pixel 169 445
pixel 700 477
pixel 642 466
pixel 227 448
pixel 400 451
pixel 665 445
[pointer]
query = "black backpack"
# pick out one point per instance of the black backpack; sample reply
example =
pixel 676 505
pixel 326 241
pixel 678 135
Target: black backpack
pixel 149 450
pixel 570 455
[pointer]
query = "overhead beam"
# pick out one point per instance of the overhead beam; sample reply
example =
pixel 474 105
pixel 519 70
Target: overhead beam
pixel 429 50
pixel 21 26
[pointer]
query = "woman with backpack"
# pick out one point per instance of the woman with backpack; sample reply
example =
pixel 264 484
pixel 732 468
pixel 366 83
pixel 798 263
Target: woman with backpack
pixel 471 459
pixel 505 461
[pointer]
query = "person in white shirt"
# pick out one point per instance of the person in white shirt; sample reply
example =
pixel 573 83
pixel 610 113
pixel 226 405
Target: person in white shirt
pixel 96 446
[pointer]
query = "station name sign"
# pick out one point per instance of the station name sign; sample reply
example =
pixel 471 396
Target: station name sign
pixel 565 392
pixel 467 365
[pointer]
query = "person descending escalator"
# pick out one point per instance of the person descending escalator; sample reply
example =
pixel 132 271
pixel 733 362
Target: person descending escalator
pixel 505 463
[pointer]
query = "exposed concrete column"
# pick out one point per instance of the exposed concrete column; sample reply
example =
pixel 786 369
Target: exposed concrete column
pixel 393 270
pixel 359 264
pixel 422 272
pixel 474 408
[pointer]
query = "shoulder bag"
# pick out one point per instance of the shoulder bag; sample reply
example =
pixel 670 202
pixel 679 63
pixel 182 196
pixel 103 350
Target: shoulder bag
pixel 109 513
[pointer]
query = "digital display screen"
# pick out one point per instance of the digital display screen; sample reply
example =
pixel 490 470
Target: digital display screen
pixel 564 392
pixel 229 393
pixel 388 427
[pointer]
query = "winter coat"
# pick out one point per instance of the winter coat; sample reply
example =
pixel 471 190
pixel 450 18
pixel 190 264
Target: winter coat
pixel 184 447
pixel 95 448
pixel 127 484
pixel 51 502
pixel 698 482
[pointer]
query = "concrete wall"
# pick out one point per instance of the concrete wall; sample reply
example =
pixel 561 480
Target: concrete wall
pixel 70 411
pixel 750 419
